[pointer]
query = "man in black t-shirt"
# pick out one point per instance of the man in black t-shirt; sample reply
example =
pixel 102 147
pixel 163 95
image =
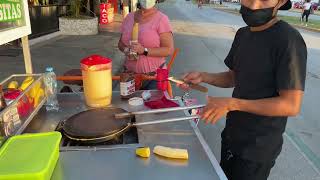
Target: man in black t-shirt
pixel 267 68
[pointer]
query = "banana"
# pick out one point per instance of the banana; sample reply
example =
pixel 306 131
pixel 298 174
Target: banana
pixel 143 152
pixel 34 90
pixel 171 152
pixel 13 85
pixel 38 97
pixel 26 83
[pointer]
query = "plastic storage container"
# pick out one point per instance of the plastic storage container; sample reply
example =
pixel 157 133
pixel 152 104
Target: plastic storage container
pixel 25 95
pixel 29 156
pixel 97 80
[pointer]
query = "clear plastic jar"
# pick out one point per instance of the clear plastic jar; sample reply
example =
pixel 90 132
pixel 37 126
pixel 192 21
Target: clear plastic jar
pixel 97 80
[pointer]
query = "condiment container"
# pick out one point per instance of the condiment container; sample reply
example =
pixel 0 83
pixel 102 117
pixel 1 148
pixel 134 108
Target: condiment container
pixel 127 85
pixel 97 80
pixel 29 156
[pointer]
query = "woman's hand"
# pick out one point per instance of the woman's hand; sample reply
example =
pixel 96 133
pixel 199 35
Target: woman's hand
pixel 126 51
pixel 137 48
pixel 217 108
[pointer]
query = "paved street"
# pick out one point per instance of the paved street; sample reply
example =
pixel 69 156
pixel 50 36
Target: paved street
pixel 204 37
pixel 284 13
pixel 63 53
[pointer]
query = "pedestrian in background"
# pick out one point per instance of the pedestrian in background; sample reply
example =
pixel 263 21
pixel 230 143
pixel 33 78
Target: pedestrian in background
pixel 200 4
pixel 306 11
pixel 155 41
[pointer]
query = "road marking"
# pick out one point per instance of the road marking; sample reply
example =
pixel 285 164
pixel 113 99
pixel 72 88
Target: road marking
pixel 306 152
pixel 313 75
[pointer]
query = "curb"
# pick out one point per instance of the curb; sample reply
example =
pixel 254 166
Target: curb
pixel 227 10
pixel 44 38
pixel 294 25
pixel 305 28
pixel 315 14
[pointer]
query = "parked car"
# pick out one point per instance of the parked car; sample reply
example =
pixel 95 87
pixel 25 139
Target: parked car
pixel 315 6
pixel 299 5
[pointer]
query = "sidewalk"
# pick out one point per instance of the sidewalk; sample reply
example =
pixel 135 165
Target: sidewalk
pixel 291 17
pixel 65 52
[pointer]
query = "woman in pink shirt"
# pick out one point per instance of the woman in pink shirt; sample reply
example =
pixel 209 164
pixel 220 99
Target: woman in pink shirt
pixel 155 40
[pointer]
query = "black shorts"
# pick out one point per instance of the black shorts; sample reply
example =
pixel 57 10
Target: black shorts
pixel 237 168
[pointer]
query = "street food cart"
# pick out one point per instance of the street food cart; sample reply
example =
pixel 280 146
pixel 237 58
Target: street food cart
pixel 111 158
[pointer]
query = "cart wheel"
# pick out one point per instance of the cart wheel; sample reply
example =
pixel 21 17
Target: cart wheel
pixel 66 89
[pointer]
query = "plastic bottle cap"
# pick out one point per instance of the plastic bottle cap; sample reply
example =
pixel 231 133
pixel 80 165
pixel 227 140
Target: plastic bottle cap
pixel 136 101
pixel 146 95
pixel 49 69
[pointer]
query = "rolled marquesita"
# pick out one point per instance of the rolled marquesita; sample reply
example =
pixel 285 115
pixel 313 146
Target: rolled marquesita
pixel 171 152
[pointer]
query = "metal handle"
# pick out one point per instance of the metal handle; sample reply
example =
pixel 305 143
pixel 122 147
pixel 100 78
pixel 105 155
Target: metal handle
pixel 153 111
pixel 166 120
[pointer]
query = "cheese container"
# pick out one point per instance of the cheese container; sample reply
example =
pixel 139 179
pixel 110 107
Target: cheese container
pixel 29 156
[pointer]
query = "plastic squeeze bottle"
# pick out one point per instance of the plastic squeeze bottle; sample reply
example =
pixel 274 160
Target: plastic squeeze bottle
pixel 135 32
pixel 134 38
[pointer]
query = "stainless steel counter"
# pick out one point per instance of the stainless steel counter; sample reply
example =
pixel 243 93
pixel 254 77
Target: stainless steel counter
pixel 119 162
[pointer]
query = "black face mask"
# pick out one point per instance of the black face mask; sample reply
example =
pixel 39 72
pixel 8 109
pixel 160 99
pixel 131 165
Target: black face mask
pixel 258 17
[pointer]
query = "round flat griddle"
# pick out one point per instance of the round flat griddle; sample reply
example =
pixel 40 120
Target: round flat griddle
pixel 99 125
pixel 95 125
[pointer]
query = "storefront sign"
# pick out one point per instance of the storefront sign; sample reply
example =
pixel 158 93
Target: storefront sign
pixel 106 13
pixel 14 20
pixel 10 10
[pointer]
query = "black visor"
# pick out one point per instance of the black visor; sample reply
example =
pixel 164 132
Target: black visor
pixel 286 6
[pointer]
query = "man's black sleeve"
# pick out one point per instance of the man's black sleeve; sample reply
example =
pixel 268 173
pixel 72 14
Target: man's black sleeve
pixel 291 65
pixel 230 57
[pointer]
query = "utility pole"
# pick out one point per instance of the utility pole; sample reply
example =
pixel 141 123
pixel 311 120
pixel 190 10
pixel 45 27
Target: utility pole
pixel 134 5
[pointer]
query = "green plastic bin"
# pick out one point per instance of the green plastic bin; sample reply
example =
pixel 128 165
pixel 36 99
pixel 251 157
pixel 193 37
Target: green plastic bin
pixel 29 156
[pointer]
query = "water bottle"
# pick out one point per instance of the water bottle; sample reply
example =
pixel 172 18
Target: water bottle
pixel 51 90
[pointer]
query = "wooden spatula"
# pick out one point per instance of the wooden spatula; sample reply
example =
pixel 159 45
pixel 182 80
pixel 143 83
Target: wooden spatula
pixel 192 86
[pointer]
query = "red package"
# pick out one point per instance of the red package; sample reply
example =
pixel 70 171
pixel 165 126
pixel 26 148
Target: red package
pixel 161 103
pixel 162 79
pixel 25 104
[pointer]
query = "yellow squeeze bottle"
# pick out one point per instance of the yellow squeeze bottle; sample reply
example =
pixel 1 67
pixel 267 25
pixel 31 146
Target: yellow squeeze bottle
pixel 135 32
pixel 134 38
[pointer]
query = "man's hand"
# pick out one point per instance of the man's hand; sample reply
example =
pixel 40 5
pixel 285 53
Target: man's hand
pixel 193 78
pixel 216 108
pixel 222 79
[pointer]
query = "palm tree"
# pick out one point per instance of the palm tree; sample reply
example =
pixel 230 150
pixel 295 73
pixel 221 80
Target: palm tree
pixel 75 6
